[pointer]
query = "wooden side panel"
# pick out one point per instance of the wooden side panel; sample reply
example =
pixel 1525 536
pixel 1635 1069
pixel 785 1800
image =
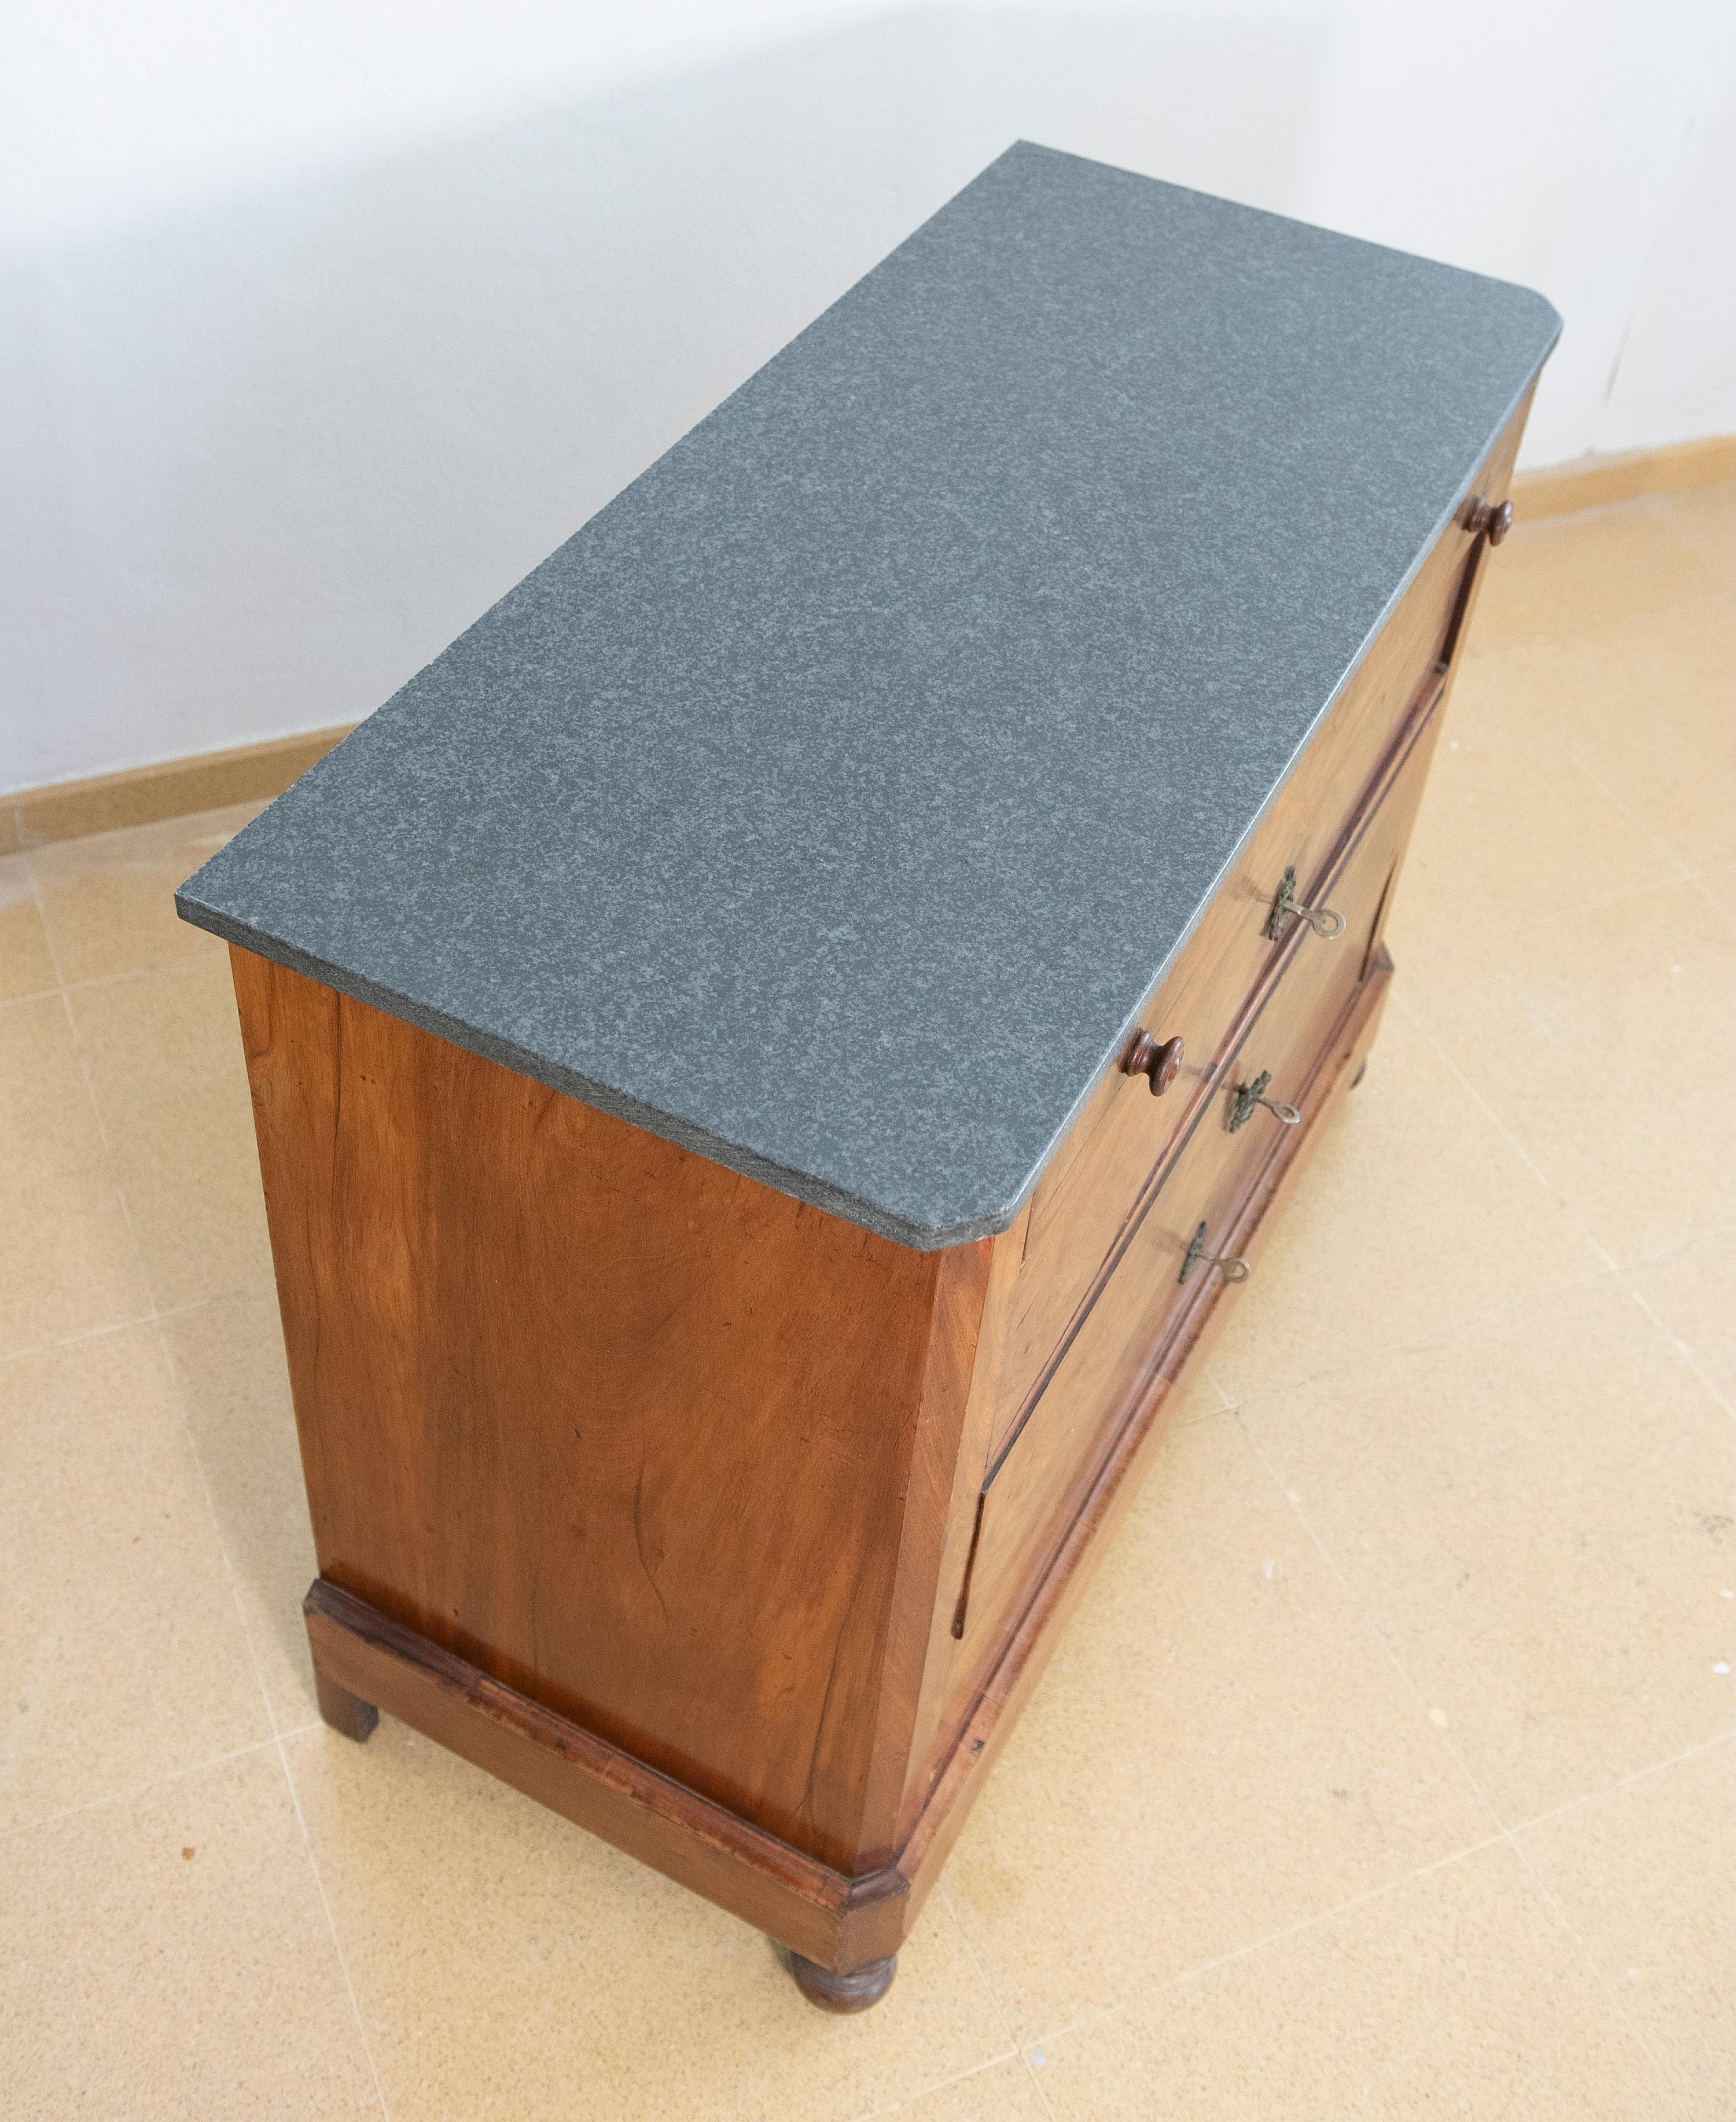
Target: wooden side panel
pixel 630 1434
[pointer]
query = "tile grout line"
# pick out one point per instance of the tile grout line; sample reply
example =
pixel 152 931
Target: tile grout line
pixel 940 2085
pixel 276 1734
pixel 1366 1622
pixel 1504 1834
pixel 1434 1336
pixel 1533 1820
pixel 1666 2078
pixel 1509 1833
pixel 331 1921
pixel 1001 2010
pixel 1507 1135
pixel 1204 1967
pixel 121 1326
pixel 1679 1348
pixel 103 980
pixel 1639 826
pixel 154 1318
pixel 123 1792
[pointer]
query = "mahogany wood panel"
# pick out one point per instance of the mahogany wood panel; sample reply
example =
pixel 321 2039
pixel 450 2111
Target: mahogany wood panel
pixel 1032 1486
pixel 958 1774
pixel 662 1450
pixel 1080 1206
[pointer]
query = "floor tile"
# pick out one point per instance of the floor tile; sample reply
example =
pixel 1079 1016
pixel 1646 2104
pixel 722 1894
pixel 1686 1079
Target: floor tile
pixel 1571 575
pixel 1706 517
pixel 1413 1211
pixel 228 1360
pixel 1691 1291
pixel 1539 1516
pixel 167 1959
pixel 1219 1750
pixel 502 1954
pixel 1456 1997
pixel 163 1050
pixel 123 1657
pixel 26 966
pixel 1599 1041
pixel 1509 815
pixel 1001 2093
pixel 1643 1876
pixel 1671 757
pixel 1643 708
pixel 68 1263
pixel 108 901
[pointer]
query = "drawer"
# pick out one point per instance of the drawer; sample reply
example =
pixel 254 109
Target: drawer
pixel 1078 1210
pixel 1038 1473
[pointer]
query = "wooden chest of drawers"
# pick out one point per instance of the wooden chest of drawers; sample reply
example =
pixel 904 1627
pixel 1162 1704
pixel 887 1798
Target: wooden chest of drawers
pixel 724 1486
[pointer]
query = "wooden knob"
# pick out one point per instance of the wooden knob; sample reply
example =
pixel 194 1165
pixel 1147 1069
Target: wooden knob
pixel 1481 520
pixel 1160 1064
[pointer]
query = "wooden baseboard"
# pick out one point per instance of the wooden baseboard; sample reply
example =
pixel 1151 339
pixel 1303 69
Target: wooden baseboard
pixel 142 795
pixel 1589 481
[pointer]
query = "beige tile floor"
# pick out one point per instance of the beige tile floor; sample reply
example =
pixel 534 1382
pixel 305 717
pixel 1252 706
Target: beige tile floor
pixel 1389 1768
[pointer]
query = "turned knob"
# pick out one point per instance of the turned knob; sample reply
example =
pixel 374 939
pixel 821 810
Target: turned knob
pixel 1483 521
pixel 1161 1064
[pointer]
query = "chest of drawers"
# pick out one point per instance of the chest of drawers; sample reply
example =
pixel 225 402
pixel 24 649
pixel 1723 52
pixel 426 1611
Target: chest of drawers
pixel 773 1054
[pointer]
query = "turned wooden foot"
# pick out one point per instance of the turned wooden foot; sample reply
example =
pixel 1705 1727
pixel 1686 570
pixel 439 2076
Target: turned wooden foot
pixel 853 1992
pixel 344 1711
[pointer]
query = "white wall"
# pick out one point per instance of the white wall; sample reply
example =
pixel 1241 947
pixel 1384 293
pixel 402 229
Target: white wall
pixel 322 322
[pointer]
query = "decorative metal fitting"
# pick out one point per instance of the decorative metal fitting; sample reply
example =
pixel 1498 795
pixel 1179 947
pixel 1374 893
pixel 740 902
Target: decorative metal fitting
pixel 1196 1255
pixel 1247 1095
pixel 1323 920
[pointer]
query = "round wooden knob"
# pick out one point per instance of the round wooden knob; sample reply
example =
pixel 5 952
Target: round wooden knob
pixel 1160 1064
pixel 1481 520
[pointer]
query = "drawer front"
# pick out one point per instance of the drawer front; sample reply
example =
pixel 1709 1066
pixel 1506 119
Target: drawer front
pixel 1039 1473
pixel 1078 1211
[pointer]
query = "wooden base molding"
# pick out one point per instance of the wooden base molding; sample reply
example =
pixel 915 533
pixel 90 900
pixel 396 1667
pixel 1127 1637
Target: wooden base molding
pixel 172 789
pixel 837 1923
pixel 1590 481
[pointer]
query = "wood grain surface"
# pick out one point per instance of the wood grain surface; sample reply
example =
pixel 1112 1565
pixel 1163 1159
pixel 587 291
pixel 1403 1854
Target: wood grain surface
pixel 632 1433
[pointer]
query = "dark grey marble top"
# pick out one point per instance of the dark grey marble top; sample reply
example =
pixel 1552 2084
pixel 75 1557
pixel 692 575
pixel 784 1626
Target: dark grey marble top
pixel 832 801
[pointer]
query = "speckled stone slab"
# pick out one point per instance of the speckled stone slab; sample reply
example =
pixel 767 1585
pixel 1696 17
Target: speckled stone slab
pixel 832 801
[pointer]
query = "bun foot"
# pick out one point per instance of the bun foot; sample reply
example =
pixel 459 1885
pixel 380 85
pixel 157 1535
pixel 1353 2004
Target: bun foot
pixel 853 1992
pixel 344 1711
